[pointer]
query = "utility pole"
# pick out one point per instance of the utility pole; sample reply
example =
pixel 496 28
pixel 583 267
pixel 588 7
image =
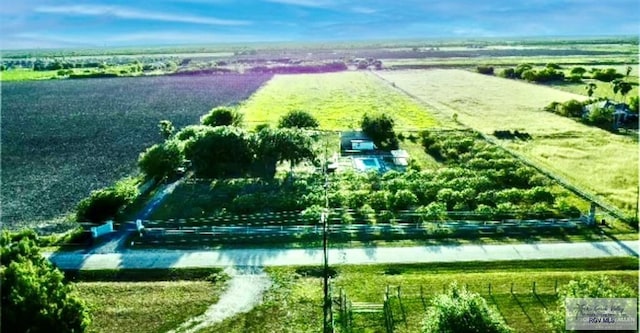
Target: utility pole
pixel 327 322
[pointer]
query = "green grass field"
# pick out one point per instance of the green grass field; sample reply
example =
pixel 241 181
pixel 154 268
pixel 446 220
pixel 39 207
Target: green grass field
pixel 26 74
pixel 294 304
pixel 597 161
pixel 145 307
pixel 337 100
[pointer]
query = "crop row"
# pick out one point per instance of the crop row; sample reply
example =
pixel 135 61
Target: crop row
pixel 62 139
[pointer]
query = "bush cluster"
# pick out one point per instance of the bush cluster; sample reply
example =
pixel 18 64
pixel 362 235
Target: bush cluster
pixel 105 203
pixel 477 177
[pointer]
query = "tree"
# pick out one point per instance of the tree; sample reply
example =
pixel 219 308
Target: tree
pixel 606 75
pixel 602 117
pixel 622 87
pixel 578 71
pixel 35 297
pixel 488 70
pixel 298 119
pixel 521 68
pixel 508 73
pixel 282 144
pixel 221 151
pixel 633 104
pixel 404 199
pixel 380 129
pixel 166 128
pixel 460 310
pixel 434 211
pixel 586 287
pixel 571 108
pixel 105 203
pixel 590 87
pixel 161 160
pixel 222 116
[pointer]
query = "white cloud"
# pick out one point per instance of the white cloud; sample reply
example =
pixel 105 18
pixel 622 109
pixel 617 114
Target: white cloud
pixel 130 13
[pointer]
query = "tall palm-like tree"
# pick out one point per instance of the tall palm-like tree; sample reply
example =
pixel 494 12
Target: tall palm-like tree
pixel 590 87
pixel 622 87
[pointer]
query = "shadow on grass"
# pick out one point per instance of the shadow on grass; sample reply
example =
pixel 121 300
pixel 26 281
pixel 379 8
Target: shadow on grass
pixel 497 305
pixel 515 297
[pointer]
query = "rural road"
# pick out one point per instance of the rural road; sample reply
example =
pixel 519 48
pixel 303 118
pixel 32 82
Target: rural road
pixel 368 255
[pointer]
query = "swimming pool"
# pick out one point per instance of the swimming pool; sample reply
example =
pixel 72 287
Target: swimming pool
pixel 367 163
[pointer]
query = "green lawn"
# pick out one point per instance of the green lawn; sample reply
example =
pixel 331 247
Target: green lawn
pixel 146 307
pixel 522 310
pixel 294 304
pixel 337 100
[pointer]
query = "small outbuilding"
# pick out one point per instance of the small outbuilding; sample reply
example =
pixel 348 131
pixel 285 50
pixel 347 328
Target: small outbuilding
pixel 400 157
pixel 356 142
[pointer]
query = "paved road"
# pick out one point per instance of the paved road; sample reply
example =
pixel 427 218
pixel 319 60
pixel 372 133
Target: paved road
pixel 368 255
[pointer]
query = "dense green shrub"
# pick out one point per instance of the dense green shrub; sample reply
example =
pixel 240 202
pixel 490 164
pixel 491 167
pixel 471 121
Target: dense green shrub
pixel 298 119
pixel 379 128
pixel 586 287
pixel 35 296
pixel 487 70
pixel 222 116
pixel 633 104
pixel 105 203
pixel 161 160
pixel 459 310
pixel 601 117
pixel 605 75
pixel 221 151
pixel 509 73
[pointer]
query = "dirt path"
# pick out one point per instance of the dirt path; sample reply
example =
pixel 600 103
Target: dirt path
pixel 245 290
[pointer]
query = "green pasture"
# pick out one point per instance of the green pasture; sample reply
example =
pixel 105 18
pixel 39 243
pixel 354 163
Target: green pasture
pixel 294 304
pixel 602 163
pixel 471 62
pixel 146 307
pixel 27 74
pixel 337 100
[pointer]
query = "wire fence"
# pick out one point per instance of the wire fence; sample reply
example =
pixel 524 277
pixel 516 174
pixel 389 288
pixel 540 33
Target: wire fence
pixel 403 307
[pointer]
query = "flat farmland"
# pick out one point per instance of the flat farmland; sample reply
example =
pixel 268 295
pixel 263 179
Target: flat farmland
pixel 337 100
pixel 597 161
pixel 63 138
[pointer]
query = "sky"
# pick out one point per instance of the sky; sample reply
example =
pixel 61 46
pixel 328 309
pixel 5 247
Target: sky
pixel 26 24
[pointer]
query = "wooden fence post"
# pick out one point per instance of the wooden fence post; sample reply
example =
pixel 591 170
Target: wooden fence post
pixel 424 303
pixel 555 287
pixel 534 287
pixel 511 287
pixel 404 315
pixel 489 288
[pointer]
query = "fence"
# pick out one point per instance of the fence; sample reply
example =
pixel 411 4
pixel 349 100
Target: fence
pixel 293 226
pixel 403 307
pixel 348 310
